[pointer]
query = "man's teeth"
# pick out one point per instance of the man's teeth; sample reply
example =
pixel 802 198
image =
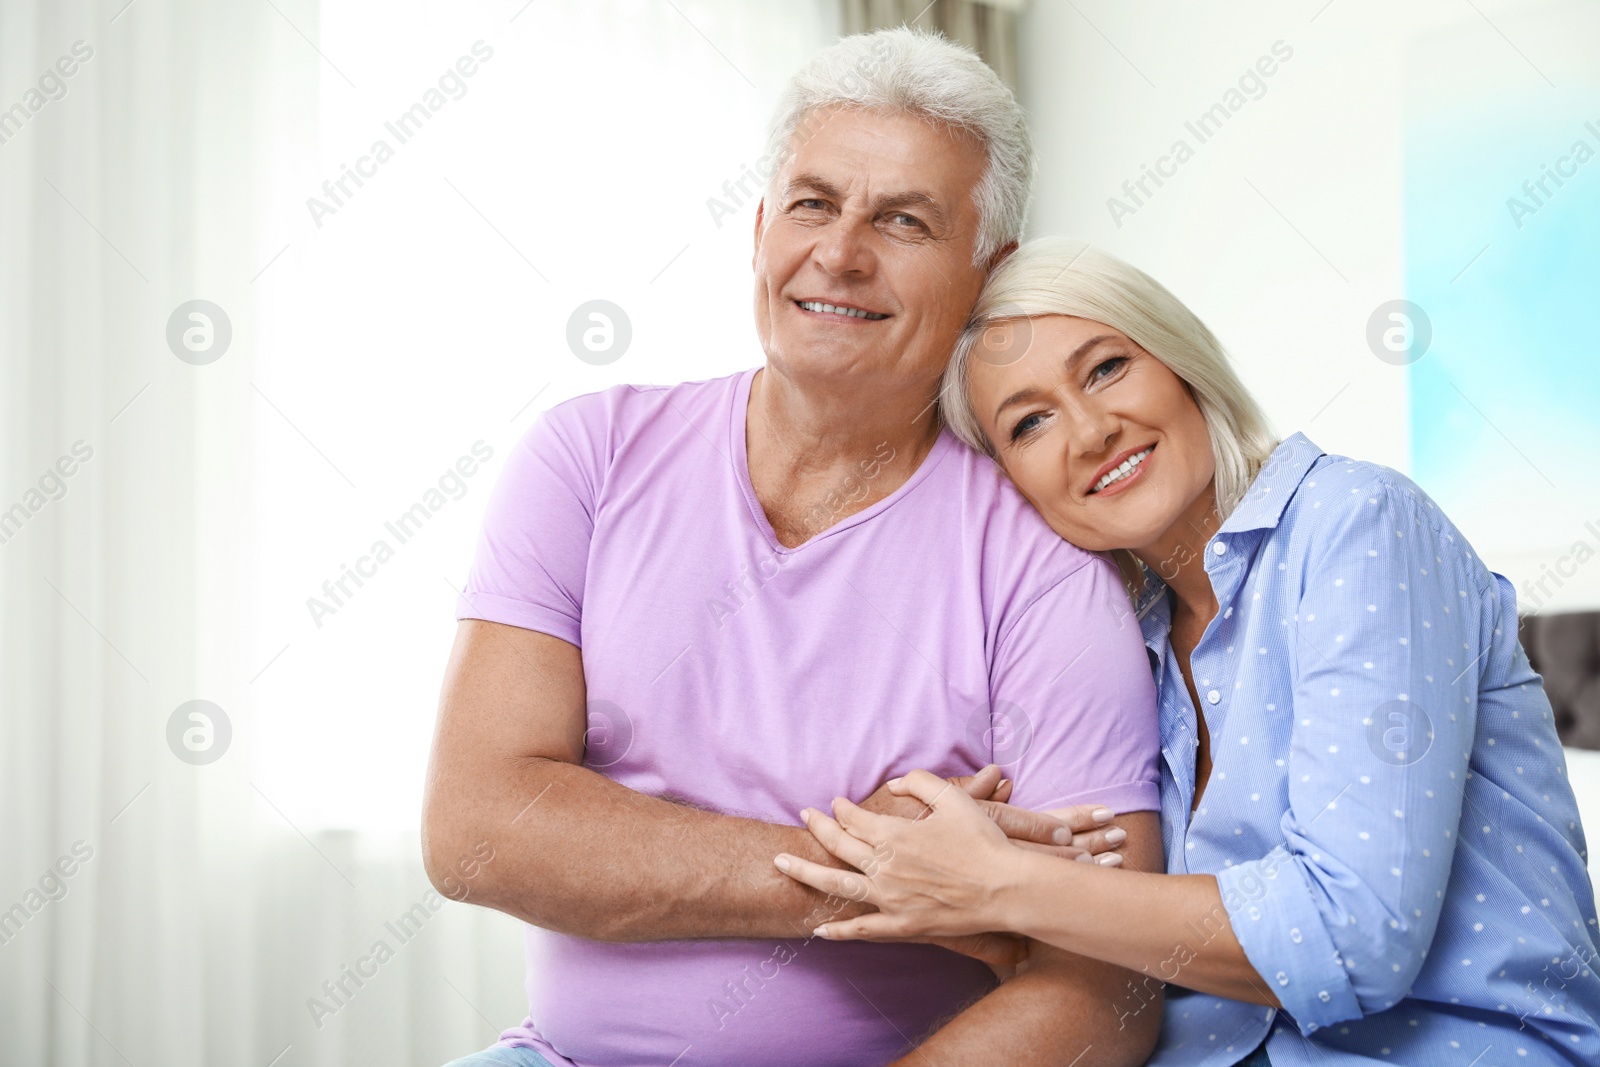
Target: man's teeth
pixel 817 305
pixel 1116 474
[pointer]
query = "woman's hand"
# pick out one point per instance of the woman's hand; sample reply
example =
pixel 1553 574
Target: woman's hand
pixel 934 877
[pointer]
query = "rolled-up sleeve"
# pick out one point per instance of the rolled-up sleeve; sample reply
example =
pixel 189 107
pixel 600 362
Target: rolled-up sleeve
pixel 1386 646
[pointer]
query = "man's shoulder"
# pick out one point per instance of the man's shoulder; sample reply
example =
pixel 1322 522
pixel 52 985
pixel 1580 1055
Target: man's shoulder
pixel 1011 536
pixel 594 429
pixel 631 404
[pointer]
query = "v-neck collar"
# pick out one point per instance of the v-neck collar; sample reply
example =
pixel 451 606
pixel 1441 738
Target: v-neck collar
pixel 738 421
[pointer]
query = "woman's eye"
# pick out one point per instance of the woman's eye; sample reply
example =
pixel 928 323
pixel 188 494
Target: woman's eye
pixel 1106 368
pixel 1026 425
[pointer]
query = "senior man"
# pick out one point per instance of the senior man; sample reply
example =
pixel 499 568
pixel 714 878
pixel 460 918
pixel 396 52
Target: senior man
pixel 766 590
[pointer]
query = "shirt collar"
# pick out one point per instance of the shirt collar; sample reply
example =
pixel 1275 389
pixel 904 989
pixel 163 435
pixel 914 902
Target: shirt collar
pixel 1263 503
pixel 1260 509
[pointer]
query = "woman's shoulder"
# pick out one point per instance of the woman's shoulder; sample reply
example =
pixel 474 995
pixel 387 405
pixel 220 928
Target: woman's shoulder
pixel 1343 502
pixel 1338 489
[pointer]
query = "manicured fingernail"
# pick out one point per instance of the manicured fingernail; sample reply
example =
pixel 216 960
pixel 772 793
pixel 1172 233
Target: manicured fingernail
pixel 1109 859
pixel 1103 815
pixel 1062 836
pixel 823 931
pixel 1003 783
pixel 782 863
pixel 1083 857
pixel 894 783
pixel 1116 835
pixel 805 816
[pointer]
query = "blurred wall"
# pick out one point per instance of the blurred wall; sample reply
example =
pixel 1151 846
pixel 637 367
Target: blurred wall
pixel 1261 159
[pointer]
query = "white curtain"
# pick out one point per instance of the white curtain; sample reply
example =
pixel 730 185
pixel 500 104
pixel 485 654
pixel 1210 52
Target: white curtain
pixel 169 515
pixel 988 27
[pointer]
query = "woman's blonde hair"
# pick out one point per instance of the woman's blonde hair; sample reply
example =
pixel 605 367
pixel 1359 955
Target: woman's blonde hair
pixel 1061 276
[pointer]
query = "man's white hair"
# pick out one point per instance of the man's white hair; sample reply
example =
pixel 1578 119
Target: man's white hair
pixel 923 74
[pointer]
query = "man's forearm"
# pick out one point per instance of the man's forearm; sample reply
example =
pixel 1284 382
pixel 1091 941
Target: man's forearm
pixel 577 853
pixel 1062 1010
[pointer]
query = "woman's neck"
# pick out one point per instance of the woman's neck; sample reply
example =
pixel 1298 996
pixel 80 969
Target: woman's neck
pixel 1178 556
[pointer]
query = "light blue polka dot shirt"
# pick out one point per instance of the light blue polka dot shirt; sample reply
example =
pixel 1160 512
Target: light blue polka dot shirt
pixel 1388 814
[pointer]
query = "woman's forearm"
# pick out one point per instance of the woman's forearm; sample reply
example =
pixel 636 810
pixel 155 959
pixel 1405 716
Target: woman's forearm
pixel 1172 927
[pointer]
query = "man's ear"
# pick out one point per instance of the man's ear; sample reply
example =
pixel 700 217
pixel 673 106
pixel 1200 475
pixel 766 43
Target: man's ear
pixel 1000 256
pixel 761 210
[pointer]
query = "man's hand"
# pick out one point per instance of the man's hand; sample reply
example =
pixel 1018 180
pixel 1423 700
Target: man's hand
pixel 1085 832
pixel 987 785
pixel 1093 837
pixel 1006 954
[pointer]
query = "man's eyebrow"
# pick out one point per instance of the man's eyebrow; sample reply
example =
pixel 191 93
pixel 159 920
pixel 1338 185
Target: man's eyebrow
pixel 1030 393
pixel 814 182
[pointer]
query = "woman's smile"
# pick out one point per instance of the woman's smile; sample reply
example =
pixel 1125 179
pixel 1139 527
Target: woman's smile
pixel 1121 472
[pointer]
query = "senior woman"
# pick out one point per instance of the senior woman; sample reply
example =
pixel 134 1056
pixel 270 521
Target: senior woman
pixel 1373 852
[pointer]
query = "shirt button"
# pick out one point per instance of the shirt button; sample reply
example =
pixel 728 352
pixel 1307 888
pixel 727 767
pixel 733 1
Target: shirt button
pixel 1213 697
pixel 1283 979
pixel 1218 547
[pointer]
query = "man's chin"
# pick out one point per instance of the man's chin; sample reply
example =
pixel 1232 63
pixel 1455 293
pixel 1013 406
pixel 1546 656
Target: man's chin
pixel 805 355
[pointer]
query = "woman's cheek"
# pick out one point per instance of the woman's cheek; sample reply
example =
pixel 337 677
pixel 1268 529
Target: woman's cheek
pixel 1031 479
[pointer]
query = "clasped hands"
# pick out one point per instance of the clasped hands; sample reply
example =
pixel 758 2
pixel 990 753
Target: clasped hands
pixel 934 856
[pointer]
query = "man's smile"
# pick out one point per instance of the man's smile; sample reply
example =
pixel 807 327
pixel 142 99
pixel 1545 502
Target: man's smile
pixel 820 307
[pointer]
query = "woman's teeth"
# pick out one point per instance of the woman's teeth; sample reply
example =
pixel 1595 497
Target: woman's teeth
pixel 817 305
pixel 1116 474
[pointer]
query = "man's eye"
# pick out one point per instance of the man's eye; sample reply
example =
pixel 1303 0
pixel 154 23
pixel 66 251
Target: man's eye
pixel 808 205
pixel 1026 425
pixel 900 218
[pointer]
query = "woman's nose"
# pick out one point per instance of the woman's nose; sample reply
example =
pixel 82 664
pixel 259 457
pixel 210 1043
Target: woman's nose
pixel 1094 430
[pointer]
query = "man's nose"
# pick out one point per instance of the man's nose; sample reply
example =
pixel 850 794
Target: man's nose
pixel 844 248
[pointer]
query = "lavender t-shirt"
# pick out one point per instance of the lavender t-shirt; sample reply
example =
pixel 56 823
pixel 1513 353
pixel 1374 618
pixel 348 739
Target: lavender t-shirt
pixel 944 627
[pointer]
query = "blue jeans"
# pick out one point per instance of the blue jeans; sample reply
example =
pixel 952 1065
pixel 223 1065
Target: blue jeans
pixel 502 1057
pixel 1258 1058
